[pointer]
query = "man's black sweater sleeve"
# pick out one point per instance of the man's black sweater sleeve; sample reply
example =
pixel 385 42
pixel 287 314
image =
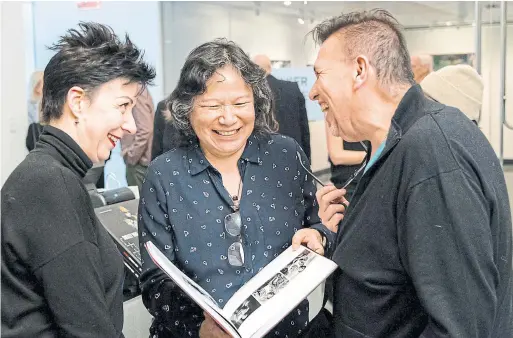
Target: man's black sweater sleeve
pixel 445 245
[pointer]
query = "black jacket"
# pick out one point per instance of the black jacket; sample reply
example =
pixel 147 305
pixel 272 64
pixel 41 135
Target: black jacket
pixel 62 274
pixel 290 111
pixel 425 246
pixel 165 135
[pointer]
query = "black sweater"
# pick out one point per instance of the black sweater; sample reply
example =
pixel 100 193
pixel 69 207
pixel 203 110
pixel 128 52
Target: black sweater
pixel 425 245
pixel 62 275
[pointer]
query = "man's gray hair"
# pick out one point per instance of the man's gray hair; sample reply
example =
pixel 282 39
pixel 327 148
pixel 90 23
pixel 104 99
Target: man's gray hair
pixel 376 34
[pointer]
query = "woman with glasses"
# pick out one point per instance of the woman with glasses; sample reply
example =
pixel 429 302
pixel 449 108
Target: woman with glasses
pixel 229 199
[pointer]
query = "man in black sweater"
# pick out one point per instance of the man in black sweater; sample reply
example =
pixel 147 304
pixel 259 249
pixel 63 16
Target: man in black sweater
pixel 425 246
pixel 289 106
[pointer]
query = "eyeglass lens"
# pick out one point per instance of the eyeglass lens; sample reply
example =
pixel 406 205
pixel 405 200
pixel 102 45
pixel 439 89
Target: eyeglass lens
pixel 232 225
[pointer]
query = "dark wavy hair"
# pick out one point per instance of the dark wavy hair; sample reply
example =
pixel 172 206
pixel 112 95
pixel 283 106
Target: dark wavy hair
pixel 199 67
pixel 89 57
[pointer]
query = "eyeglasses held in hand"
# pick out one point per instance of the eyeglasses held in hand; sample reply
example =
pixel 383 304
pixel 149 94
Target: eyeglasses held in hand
pixel 349 180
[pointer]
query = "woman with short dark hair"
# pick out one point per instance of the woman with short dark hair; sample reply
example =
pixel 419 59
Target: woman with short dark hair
pixel 229 199
pixel 62 275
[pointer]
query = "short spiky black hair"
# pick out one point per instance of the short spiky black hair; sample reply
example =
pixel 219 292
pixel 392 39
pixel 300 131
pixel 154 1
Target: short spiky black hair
pixel 88 57
pixel 375 33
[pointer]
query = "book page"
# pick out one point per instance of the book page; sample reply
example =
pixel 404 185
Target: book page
pixel 276 290
pixel 193 290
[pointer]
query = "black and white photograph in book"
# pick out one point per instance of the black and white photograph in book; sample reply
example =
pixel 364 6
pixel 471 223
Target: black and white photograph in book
pixel 298 265
pixel 271 288
pixel 247 307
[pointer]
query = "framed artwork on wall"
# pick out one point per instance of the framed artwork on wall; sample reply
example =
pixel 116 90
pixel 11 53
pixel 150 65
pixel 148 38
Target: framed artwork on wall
pixel 440 61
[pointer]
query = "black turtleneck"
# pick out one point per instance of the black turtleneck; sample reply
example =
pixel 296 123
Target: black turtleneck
pixel 62 275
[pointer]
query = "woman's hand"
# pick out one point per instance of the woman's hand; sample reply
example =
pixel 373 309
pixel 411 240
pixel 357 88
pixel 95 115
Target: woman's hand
pixel 210 329
pixel 311 237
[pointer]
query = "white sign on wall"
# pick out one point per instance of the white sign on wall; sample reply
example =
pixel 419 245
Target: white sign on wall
pixel 305 78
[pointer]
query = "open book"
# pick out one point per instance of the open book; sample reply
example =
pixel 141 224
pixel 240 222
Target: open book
pixel 266 298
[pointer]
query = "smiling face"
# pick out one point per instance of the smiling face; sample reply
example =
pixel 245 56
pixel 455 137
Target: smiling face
pixel 223 117
pixel 105 117
pixel 335 90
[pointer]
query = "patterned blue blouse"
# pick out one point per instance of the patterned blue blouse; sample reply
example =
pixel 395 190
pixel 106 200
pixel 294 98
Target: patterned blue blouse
pixel 182 209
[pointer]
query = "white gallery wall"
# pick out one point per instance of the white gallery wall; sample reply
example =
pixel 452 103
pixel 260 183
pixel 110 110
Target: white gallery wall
pixel 14 121
pixel 186 25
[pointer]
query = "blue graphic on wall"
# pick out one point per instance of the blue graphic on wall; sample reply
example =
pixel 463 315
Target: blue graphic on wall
pixel 305 78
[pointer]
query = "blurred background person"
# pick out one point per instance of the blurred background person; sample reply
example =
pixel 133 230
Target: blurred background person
pixel 421 65
pixel 136 149
pixel 34 110
pixel 165 135
pixel 35 96
pixel 458 86
pixel 289 106
pixel 345 159
pixel 62 274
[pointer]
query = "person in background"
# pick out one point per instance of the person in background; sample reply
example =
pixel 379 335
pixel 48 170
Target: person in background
pixel 228 199
pixel 62 274
pixel 289 106
pixel 165 135
pixel 422 65
pixel 35 96
pixel 458 86
pixel 345 159
pixel 34 110
pixel 425 246
pixel 136 149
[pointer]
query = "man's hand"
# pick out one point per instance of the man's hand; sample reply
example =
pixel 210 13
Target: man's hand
pixel 311 237
pixel 332 205
pixel 210 329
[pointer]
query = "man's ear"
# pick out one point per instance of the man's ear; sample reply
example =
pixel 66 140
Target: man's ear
pixel 76 100
pixel 362 71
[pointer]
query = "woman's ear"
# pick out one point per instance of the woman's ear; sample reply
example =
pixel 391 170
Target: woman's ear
pixel 75 101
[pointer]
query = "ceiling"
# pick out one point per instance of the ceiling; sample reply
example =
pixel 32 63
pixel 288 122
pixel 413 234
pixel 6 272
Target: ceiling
pixel 411 14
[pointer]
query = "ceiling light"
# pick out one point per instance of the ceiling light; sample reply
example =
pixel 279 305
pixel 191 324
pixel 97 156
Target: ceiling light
pixel 301 21
pixel 287 3
pixel 305 2
pixel 448 23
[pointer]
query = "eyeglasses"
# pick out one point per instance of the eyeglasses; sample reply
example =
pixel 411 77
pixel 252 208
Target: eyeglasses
pixel 349 180
pixel 233 225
